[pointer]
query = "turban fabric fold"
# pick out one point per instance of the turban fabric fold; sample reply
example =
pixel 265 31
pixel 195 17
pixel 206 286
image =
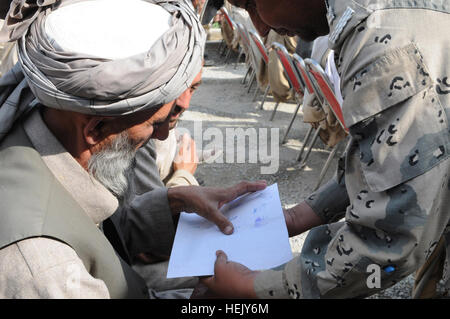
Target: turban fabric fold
pixel 96 85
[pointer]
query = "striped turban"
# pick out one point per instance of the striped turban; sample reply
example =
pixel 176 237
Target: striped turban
pixel 145 55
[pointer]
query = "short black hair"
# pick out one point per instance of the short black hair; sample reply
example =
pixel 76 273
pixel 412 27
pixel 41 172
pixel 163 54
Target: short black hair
pixel 4 7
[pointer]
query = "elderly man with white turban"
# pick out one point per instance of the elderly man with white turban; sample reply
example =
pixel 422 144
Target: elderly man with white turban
pixel 95 80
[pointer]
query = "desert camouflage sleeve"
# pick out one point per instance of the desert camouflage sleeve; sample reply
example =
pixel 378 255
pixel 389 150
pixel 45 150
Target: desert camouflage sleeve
pixel 396 169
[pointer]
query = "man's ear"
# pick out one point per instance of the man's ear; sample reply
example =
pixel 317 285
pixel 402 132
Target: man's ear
pixel 92 131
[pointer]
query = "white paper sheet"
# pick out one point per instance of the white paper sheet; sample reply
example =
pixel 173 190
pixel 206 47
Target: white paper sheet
pixel 260 239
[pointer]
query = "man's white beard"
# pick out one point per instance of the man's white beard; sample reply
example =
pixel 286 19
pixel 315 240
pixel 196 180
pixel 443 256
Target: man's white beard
pixel 110 165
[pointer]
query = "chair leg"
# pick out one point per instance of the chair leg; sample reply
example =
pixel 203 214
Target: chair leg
pixel 252 72
pixel 252 80
pixel 348 144
pixel 274 111
pixel 249 70
pixel 224 50
pixel 241 52
pixel 265 96
pixel 326 166
pixel 256 93
pixel 290 124
pixel 316 135
pixel 228 55
pixel 220 46
pixel 305 142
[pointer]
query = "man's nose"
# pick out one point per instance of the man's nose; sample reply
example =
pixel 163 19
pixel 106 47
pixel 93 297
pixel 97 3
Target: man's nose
pixel 184 100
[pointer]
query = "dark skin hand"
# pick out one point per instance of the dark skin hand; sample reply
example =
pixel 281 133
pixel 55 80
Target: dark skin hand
pixel 206 201
pixel 230 280
pixel 234 280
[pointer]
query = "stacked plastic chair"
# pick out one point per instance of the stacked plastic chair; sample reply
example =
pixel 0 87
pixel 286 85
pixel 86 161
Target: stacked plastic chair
pixel 294 80
pixel 324 91
pixel 246 49
pixel 233 27
pixel 260 53
pixel 302 73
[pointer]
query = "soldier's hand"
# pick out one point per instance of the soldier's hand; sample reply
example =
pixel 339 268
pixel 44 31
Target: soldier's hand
pixel 206 201
pixel 231 279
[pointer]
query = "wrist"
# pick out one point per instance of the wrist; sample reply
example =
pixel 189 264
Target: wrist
pixel 252 292
pixel 175 196
pixel 303 218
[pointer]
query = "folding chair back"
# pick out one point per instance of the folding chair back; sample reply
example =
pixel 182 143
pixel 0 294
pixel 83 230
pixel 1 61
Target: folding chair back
pixel 261 49
pixel 323 88
pixel 249 43
pixel 300 68
pixel 230 22
pixel 243 35
pixel 286 61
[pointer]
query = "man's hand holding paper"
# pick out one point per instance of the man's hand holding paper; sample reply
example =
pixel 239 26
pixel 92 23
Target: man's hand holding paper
pixel 259 241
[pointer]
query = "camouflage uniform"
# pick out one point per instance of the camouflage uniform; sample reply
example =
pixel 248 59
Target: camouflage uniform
pixel 392 187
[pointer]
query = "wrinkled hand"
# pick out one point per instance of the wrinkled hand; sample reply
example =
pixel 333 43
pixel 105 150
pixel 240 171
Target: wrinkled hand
pixel 206 201
pixel 186 158
pixel 230 280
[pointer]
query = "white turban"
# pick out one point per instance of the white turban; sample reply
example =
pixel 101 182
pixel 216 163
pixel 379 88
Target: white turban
pixel 116 58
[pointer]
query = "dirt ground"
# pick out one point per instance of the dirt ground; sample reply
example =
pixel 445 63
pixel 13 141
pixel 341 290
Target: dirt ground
pixel 222 102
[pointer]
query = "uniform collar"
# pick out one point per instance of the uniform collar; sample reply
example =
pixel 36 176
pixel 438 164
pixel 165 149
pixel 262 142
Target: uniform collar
pixel 343 16
pixel 93 197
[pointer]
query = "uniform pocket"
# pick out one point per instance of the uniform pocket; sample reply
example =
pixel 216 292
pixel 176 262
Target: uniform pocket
pixel 391 79
pixel 408 134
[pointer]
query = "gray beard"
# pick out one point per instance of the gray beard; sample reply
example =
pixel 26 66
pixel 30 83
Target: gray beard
pixel 110 165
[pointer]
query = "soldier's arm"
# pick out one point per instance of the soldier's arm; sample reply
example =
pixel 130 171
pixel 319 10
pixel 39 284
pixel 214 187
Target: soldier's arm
pixel 325 205
pixel 386 236
pixel 392 232
pixel 396 177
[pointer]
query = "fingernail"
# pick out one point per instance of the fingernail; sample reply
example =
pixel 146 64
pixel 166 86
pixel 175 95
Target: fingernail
pixel 228 230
